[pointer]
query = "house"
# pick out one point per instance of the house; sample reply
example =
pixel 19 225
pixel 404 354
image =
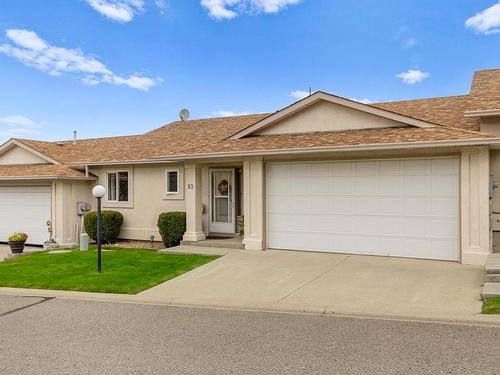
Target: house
pixel 414 178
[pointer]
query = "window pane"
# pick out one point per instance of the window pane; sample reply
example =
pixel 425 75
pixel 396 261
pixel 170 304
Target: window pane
pixel 123 186
pixel 221 214
pixel 111 186
pixel 172 182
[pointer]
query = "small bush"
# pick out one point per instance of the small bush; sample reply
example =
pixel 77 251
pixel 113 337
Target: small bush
pixel 172 226
pixel 111 224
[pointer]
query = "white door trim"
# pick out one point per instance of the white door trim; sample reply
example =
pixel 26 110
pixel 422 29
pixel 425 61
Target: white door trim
pixel 229 227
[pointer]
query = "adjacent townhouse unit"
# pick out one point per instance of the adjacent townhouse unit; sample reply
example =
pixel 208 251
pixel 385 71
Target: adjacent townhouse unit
pixel 416 178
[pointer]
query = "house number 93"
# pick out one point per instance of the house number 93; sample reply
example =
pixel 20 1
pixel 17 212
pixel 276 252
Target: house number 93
pixel 190 186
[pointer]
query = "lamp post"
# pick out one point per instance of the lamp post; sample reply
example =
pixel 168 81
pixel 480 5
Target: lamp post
pixel 98 192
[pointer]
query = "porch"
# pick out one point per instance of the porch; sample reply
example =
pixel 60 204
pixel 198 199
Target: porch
pixel 220 198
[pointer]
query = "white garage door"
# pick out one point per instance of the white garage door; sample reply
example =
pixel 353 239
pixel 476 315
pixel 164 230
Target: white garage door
pixel 404 208
pixel 25 209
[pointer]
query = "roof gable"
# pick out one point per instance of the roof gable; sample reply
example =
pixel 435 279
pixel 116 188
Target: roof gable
pixel 326 112
pixel 16 152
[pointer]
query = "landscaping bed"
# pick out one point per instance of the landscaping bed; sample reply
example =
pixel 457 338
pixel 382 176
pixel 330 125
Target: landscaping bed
pixel 126 271
pixel 491 306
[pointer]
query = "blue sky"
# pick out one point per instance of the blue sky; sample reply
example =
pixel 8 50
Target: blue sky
pixel 113 67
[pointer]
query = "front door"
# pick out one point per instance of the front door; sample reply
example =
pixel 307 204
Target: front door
pixel 222 207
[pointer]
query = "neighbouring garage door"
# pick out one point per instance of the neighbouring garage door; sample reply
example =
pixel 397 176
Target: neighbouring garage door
pixel 25 209
pixel 404 208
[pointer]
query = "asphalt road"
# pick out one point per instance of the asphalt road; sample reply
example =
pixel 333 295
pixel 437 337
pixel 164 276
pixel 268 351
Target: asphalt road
pixel 54 336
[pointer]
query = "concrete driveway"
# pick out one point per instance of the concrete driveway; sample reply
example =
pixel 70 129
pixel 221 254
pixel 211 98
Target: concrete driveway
pixel 328 283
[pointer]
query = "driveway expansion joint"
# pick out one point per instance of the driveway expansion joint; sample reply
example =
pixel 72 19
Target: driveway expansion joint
pixel 314 278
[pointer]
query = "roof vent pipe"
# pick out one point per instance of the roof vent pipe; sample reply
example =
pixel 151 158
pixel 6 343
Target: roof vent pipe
pixel 74 137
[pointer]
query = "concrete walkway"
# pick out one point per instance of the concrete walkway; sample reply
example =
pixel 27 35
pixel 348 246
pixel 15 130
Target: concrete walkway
pixel 317 283
pixel 5 250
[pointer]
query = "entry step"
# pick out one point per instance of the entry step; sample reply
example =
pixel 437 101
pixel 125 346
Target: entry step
pixel 491 290
pixel 493 264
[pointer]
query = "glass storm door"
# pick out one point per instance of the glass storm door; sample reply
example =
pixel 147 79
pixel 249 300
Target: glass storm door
pixel 222 218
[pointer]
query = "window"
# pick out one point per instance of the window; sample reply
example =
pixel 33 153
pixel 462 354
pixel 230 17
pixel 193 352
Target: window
pixel 118 186
pixel 172 181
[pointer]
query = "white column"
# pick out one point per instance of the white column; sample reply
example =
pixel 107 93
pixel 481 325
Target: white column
pixel 475 205
pixel 253 198
pixel 194 207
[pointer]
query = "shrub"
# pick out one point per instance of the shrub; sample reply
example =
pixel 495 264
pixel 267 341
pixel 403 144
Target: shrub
pixel 17 236
pixel 172 226
pixel 111 224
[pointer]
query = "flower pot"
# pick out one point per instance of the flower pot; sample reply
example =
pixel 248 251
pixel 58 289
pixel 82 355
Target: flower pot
pixel 16 246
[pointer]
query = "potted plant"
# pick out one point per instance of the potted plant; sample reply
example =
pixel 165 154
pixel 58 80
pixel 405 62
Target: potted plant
pixel 17 241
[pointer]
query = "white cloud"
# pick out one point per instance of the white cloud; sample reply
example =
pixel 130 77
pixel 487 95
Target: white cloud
pixel 19 126
pixel 413 76
pixel 364 101
pixel 223 113
pixel 118 10
pixel 228 9
pixel 299 94
pixel 161 5
pixel 34 52
pixel 410 42
pixel 486 22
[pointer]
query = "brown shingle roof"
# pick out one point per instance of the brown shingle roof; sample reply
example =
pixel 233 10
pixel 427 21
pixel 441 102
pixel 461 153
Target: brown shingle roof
pixel 447 111
pixel 177 137
pixel 39 170
pixel 363 137
pixel 485 91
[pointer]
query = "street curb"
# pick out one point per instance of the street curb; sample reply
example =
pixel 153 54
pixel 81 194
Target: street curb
pixel 478 320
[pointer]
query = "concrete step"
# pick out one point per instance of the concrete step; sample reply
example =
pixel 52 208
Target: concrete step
pixel 492 278
pixel 493 264
pixel 224 244
pixel 491 290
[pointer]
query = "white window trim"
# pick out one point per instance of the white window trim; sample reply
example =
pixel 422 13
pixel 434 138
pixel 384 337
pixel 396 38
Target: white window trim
pixel 167 171
pixel 119 204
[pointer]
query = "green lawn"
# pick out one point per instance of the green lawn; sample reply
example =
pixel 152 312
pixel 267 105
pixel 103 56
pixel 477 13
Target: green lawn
pixel 491 306
pixel 127 271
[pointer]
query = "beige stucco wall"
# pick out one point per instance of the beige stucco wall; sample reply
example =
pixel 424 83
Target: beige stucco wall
pixel 325 116
pixel 17 155
pixel 147 198
pixel 66 223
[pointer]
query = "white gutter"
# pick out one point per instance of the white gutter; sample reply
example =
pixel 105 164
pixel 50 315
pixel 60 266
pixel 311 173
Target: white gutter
pixel 10 178
pixel 120 162
pixel 483 113
pixel 308 150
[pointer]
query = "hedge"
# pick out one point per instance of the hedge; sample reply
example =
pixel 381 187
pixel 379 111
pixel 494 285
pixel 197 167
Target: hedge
pixel 172 226
pixel 111 224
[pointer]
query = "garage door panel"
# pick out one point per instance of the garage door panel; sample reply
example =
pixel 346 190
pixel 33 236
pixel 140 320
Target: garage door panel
pixel 341 169
pixel 444 185
pixel 444 166
pixel 444 206
pixel 390 184
pixel 406 208
pixel 417 185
